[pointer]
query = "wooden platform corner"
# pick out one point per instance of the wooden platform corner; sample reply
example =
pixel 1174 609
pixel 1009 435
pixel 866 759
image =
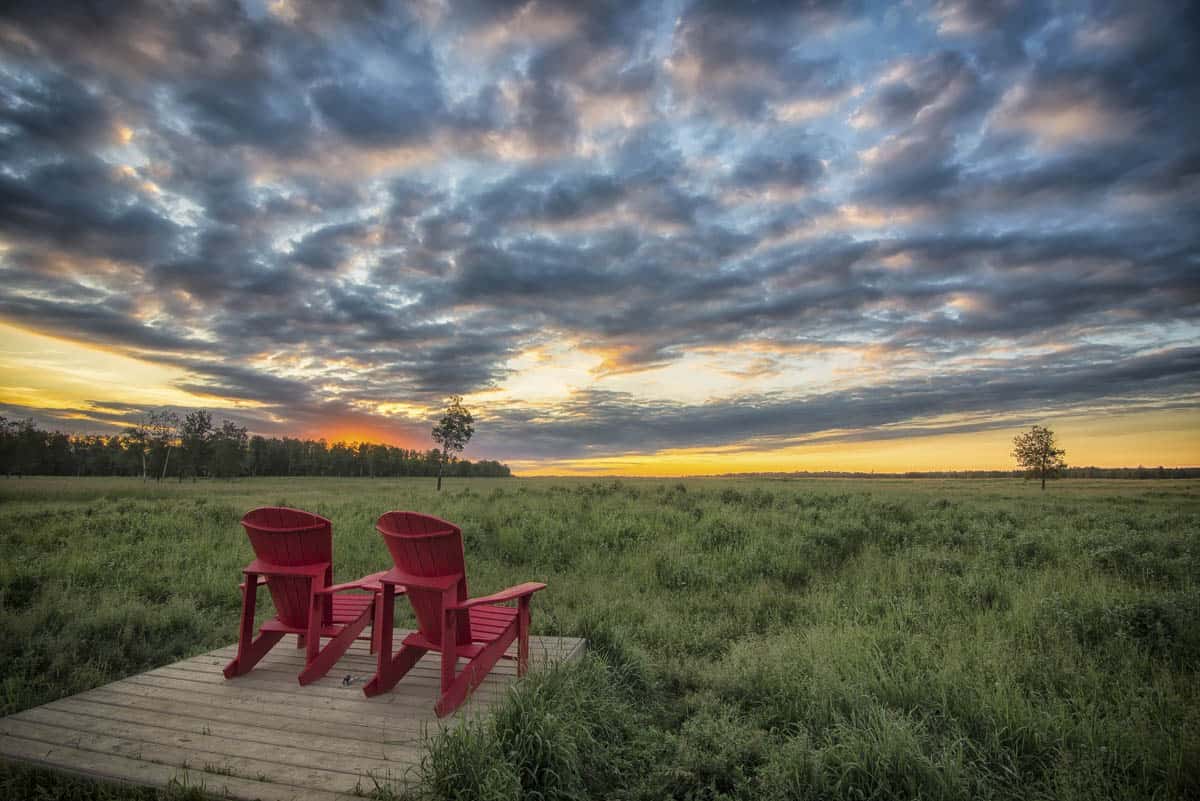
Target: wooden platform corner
pixel 258 736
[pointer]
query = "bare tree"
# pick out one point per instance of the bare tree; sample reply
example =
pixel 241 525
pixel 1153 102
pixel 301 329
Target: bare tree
pixel 452 433
pixel 154 431
pixel 1036 452
pixel 137 438
pixel 162 430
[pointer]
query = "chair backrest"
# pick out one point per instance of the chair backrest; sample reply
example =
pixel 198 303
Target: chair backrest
pixel 427 546
pixel 291 537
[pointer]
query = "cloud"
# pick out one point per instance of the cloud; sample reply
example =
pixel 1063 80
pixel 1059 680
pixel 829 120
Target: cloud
pixel 264 114
pixel 56 111
pixel 791 169
pixel 108 321
pixel 740 59
pixel 83 205
pixel 546 114
pixel 379 114
pixel 1064 110
pixel 329 247
pixel 242 383
pixel 998 30
pixel 930 91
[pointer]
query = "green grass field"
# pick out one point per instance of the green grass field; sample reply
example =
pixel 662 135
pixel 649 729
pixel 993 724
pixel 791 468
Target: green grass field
pixel 751 638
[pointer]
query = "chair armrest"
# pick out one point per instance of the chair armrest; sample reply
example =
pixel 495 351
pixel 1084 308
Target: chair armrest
pixel 512 593
pixel 267 569
pixel 440 583
pixel 370 582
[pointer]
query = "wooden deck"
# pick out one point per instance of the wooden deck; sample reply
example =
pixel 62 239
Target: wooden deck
pixel 256 736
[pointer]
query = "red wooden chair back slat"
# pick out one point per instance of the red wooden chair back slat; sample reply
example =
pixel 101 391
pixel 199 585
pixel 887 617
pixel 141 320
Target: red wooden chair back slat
pixel 291 537
pixel 427 546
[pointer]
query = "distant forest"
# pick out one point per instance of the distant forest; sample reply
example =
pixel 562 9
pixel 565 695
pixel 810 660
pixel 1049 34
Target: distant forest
pixel 164 446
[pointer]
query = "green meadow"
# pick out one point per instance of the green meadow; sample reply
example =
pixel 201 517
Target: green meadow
pixel 750 639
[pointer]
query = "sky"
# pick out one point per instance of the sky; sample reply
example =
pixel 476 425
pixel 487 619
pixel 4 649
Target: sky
pixel 653 238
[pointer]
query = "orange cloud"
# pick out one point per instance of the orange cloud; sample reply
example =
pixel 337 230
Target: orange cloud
pixel 363 431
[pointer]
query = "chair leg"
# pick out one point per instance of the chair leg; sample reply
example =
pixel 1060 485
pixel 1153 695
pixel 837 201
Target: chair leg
pixel 250 650
pixel 474 673
pixel 313 638
pixel 389 669
pixel 449 647
pixel 376 622
pixel 522 635
pixel 392 670
pixel 251 655
pixel 331 653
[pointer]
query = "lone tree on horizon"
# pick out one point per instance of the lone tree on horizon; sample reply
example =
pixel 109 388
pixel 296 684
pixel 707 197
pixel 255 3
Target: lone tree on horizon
pixel 1036 452
pixel 452 433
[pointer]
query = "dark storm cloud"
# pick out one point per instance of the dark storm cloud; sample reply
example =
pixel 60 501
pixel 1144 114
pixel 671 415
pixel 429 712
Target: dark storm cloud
pixel 535 268
pixel 382 112
pixel 740 57
pixel 998 29
pixel 129 38
pixel 107 321
pixel 469 361
pixel 229 381
pixel 933 91
pixel 796 169
pixel 83 205
pixel 546 111
pixel 225 268
pixel 395 201
pixel 540 195
pixel 228 112
pixel 327 248
pixel 54 110
pixel 784 157
pixel 358 308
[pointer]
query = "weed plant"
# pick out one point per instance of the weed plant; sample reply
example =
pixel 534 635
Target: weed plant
pixel 749 639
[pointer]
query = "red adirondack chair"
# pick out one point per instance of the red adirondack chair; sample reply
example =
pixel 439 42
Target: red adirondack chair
pixel 294 551
pixel 428 553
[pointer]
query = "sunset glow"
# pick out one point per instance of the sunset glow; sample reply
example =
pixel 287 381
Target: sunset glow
pixel 639 239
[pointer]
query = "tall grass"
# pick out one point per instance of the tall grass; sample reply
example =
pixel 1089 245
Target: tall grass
pixel 750 639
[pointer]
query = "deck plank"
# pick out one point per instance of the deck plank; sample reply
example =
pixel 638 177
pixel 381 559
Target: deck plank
pixel 340 727
pixel 193 756
pixel 222 741
pixel 290 716
pixel 331 686
pixel 111 767
pixel 277 693
pixel 260 735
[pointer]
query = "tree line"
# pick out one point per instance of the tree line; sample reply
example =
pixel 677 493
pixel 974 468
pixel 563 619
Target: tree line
pixel 163 445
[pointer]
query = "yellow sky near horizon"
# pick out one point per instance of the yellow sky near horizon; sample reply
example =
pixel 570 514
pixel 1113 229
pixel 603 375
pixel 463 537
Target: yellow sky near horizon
pixel 45 372
pixel 48 372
